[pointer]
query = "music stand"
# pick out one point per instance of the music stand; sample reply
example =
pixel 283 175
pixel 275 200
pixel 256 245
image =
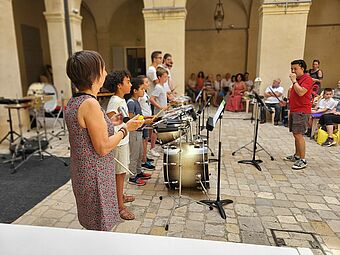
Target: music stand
pixel 211 124
pixel 260 105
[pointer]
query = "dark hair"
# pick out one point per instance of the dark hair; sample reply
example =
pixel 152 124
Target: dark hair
pixel 141 76
pixel 84 67
pixel 233 78
pixel 200 74
pixel 246 73
pixel 239 74
pixel 327 90
pixel 160 71
pixel 155 54
pixel 317 61
pixel 136 83
pixel 166 55
pixel 114 78
pixel 301 63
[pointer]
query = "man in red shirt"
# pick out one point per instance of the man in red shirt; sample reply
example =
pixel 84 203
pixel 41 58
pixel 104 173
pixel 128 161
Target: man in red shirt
pixel 300 109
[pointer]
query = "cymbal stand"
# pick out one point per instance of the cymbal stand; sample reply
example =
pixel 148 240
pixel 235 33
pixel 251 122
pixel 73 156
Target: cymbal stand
pixel 40 150
pixel 11 131
pixel 63 131
pixel 178 200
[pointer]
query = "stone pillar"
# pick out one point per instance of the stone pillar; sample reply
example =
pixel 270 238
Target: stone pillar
pixel 57 39
pixel 9 64
pixel 282 33
pixel 165 31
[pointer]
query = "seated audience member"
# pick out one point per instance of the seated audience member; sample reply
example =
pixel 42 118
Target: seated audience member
pixel 226 84
pixel 200 81
pixel 336 92
pixel 190 87
pixel 249 83
pixel 271 94
pixel 234 103
pixel 328 120
pixel 209 89
pixel 325 105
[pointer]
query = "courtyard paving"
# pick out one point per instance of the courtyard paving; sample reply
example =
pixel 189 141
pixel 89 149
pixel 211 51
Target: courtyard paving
pixel 275 198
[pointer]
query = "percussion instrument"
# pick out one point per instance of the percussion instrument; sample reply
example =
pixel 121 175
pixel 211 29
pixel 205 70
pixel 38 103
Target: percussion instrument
pixel 194 158
pixel 182 100
pixel 47 93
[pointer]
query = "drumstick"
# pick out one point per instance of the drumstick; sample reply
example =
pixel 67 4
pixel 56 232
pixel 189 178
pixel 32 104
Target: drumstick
pixel 122 165
pixel 157 115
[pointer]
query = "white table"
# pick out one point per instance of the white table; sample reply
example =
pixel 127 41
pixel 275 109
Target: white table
pixel 21 240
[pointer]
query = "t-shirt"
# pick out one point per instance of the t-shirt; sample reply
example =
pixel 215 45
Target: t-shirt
pixel 328 104
pixel 218 85
pixel 226 83
pixel 112 106
pixel 338 107
pixel 152 76
pixel 167 83
pixel 273 99
pixel 134 107
pixel 302 103
pixel 144 102
pixel 160 97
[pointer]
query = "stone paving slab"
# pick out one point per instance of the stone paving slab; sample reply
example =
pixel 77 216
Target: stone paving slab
pixel 277 197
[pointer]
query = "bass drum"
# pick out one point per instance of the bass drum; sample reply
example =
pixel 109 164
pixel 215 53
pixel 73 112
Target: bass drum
pixel 194 159
pixel 48 90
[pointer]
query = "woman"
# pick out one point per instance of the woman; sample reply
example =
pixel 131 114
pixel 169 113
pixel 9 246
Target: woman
pixel 200 81
pixel 191 90
pixel 92 140
pixel 234 103
pixel 316 74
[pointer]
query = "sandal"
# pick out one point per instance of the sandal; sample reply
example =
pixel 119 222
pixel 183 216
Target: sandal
pixel 125 214
pixel 128 198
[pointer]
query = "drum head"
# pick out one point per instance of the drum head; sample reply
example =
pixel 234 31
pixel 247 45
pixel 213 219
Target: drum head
pixel 48 90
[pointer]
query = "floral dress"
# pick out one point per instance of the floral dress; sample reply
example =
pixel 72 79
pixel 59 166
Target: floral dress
pixel 92 175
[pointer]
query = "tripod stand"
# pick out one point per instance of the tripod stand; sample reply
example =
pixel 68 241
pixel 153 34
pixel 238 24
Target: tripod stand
pixel 11 132
pixel 44 141
pixel 63 130
pixel 259 105
pixel 218 203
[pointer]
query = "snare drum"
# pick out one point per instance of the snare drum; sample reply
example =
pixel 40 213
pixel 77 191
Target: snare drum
pixel 194 159
pixel 43 89
pixel 182 100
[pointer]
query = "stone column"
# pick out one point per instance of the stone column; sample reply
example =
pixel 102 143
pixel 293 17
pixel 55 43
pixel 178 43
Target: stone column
pixel 9 64
pixel 57 39
pixel 282 33
pixel 165 31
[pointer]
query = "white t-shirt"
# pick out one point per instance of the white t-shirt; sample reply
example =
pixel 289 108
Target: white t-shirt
pixel 112 106
pixel 167 83
pixel 160 97
pixel 329 104
pixel 226 83
pixel 273 99
pixel 144 102
pixel 152 76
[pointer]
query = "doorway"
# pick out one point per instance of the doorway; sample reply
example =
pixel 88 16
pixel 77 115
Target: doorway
pixel 135 60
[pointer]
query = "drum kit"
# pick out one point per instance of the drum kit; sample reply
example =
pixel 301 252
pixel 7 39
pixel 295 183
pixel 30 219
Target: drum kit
pixel 185 159
pixel 41 98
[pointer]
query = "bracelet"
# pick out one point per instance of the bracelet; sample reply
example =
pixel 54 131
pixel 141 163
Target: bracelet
pixel 295 82
pixel 124 131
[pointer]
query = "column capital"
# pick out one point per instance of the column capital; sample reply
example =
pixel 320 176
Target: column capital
pixel 271 7
pixel 159 13
pixel 54 16
pixel 76 18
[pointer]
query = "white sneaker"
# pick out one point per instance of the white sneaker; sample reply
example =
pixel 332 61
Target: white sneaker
pixel 154 153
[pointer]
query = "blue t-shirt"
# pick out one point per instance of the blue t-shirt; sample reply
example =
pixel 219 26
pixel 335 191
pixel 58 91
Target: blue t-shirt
pixel 134 106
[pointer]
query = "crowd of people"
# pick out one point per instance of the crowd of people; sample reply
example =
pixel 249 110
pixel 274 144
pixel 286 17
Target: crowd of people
pixel 107 143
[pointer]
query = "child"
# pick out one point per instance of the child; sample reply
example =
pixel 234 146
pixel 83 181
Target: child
pixel 144 102
pixel 118 82
pixel 136 143
pixel 326 104
pixel 158 96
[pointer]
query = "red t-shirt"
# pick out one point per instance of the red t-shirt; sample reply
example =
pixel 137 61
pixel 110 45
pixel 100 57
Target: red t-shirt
pixel 302 103
pixel 200 83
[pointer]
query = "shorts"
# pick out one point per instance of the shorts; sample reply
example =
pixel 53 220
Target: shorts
pixel 122 153
pixel 298 122
pixel 146 133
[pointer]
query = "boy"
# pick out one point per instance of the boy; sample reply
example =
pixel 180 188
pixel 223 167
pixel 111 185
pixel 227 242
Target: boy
pixel 326 104
pixel 144 102
pixel 158 96
pixel 136 143
pixel 118 82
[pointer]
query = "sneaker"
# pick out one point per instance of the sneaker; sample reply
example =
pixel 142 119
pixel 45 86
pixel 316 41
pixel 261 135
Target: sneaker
pixel 308 132
pixel 292 158
pixel 150 159
pixel 299 164
pixel 148 165
pixel 136 181
pixel 329 142
pixel 276 123
pixel 154 153
pixel 143 176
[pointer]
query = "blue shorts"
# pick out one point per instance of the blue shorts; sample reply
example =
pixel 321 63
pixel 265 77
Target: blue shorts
pixel 145 133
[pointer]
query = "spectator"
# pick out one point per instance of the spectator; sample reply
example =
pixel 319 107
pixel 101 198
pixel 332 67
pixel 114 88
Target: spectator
pixel 316 74
pixel 209 90
pixel 234 102
pixel 248 82
pixel 336 92
pixel 200 81
pixel 328 120
pixel 191 89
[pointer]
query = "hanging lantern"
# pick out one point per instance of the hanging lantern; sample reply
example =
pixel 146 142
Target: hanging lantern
pixel 219 16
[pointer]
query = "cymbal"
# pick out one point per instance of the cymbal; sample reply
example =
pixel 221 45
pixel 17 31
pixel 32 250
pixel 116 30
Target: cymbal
pixel 44 98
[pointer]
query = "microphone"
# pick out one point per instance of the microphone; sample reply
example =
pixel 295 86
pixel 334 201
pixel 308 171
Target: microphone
pixel 123 112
